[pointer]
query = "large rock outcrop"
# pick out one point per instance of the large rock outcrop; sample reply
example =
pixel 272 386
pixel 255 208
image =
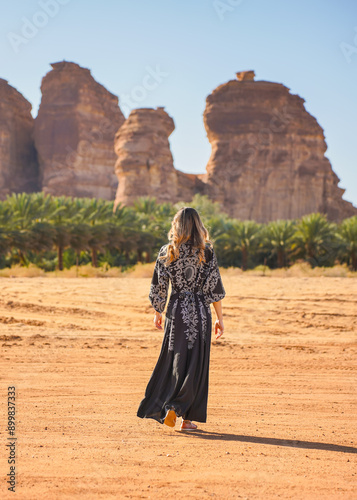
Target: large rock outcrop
pixel 18 163
pixel 145 165
pixel 74 133
pixel 268 154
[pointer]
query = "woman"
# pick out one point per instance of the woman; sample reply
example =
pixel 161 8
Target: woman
pixel 178 386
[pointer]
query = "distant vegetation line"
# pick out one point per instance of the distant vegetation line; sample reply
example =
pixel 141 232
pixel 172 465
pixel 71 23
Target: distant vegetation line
pixel 59 232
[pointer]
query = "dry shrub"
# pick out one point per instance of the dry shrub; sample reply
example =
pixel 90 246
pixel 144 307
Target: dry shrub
pixel 230 272
pixel 304 269
pixel 259 271
pixel 18 271
pixel 297 270
pixel 141 270
pixel 88 271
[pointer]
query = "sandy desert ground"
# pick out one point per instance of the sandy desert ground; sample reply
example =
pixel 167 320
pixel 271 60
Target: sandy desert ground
pixel 282 401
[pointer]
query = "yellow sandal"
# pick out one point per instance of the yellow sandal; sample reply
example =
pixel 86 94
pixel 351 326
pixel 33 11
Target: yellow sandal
pixel 170 418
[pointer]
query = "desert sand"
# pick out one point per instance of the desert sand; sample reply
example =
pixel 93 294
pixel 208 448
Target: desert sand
pixel 282 398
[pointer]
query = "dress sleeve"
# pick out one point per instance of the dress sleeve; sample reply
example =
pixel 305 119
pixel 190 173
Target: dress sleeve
pixel 213 288
pixel 159 285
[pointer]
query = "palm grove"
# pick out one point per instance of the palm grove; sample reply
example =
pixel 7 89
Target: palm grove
pixel 59 232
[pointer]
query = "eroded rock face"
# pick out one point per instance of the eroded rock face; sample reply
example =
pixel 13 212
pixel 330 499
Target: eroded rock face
pixel 145 165
pixel 74 133
pixel 18 163
pixel 267 159
pixel 245 75
pixel 267 163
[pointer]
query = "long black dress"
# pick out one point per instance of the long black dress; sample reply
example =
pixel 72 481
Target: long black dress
pixel 180 377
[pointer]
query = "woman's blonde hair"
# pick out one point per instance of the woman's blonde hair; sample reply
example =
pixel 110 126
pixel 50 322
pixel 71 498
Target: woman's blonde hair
pixel 186 225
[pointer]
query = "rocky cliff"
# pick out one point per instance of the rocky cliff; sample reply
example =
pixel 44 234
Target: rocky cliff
pixel 18 164
pixel 145 166
pixel 268 154
pixel 74 133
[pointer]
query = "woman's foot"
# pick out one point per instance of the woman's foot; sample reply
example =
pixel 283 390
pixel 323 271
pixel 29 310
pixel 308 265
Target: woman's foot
pixel 170 418
pixel 187 425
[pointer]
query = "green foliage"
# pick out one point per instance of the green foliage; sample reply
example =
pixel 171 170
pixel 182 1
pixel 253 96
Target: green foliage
pixel 59 232
pixel 346 235
pixel 315 240
pixel 277 241
pixel 206 208
pixel 241 241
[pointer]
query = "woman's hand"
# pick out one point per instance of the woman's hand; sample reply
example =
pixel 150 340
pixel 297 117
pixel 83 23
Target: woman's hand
pixel 158 320
pixel 218 328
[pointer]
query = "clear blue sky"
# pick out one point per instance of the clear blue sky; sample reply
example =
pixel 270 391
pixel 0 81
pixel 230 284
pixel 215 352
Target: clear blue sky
pixel 197 45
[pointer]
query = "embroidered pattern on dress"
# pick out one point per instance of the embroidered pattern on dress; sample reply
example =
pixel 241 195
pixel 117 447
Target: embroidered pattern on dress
pixel 190 318
pixel 188 278
pixel 213 288
pixel 159 286
pixel 172 331
pixel 158 297
pixel 204 319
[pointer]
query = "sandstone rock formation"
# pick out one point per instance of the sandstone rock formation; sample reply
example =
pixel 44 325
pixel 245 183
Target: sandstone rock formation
pixel 267 159
pixel 145 165
pixel 74 133
pixel 267 163
pixel 245 75
pixel 18 164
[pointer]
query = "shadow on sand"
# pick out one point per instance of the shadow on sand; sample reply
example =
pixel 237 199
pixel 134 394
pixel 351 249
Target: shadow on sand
pixel 310 445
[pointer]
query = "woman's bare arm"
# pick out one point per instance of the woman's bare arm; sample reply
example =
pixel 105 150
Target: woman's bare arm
pixel 218 308
pixel 219 321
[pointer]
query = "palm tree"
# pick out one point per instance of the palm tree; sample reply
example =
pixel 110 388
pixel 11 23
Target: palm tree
pixel 146 205
pixel 278 237
pixel 314 238
pixel 121 229
pixel 93 210
pixel 98 240
pixel 218 226
pixel 5 222
pixel 79 236
pixel 25 209
pixel 96 212
pixel 5 214
pixel 126 235
pixel 41 235
pixel 206 207
pixel 347 238
pixel 242 237
pixel 21 241
pixel 60 211
pixel 4 242
pixel 152 223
